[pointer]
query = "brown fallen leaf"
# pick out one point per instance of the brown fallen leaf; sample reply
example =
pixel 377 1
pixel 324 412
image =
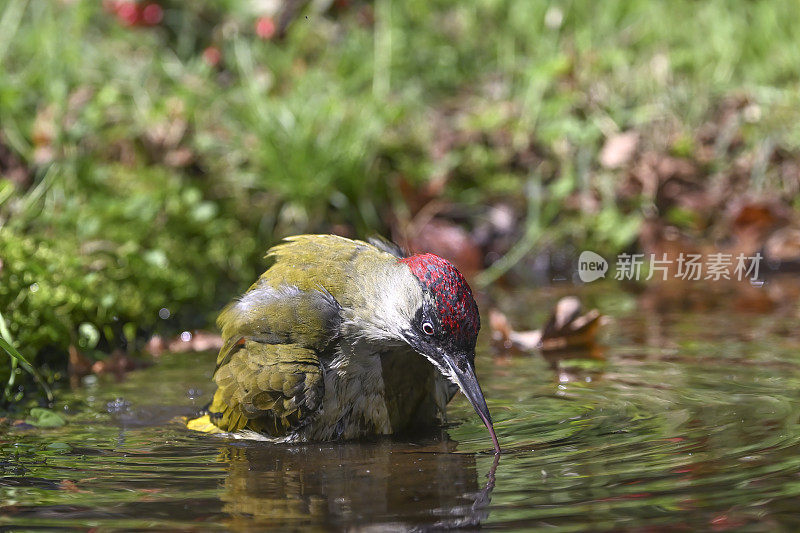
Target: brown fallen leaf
pixel 188 341
pixel 179 157
pixel 417 196
pixel 44 132
pixel 119 364
pixel 500 328
pixel 156 346
pixel 566 310
pixel 619 149
pixel 69 486
pixel 79 366
pixel 198 341
pixel 750 222
pixel 666 180
pixel 504 335
pixel 782 250
pixel 566 329
pixel 448 240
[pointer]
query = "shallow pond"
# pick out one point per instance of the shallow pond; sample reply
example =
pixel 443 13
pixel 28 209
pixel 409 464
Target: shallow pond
pixel 691 422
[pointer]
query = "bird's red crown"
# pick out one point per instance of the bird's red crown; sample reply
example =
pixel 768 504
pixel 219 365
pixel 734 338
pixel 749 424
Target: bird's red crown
pixel 455 305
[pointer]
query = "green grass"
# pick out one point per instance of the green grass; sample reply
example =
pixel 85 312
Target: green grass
pixel 158 181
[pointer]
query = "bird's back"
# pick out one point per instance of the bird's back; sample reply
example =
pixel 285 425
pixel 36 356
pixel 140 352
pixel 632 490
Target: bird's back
pixel 334 263
pixel 294 365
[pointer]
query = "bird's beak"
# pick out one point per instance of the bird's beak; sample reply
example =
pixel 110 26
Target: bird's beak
pixel 468 383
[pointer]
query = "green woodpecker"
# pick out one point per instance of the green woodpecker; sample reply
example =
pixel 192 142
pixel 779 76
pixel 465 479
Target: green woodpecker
pixel 341 339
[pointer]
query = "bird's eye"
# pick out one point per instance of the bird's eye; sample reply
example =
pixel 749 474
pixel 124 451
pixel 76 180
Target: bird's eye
pixel 427 327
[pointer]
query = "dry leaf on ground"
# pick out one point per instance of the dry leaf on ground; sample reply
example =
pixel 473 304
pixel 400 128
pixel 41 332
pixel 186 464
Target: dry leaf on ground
pixel 566 329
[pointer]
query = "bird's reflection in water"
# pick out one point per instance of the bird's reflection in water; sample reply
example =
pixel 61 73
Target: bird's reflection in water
pixel 385 484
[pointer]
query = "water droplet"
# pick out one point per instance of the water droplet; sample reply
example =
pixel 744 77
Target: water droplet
pixel 163 313
pixel 118 405
pixel 34 287
pixel 186 336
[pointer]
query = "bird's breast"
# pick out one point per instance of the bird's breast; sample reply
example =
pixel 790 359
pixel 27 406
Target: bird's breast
pixel 370 392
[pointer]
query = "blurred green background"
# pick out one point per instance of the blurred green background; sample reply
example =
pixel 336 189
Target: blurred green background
pixel 150 152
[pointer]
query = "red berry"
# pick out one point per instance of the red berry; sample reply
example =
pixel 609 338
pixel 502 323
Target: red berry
pixel 127 13
pixel 212 56
pixel 152 14
pixel 265 27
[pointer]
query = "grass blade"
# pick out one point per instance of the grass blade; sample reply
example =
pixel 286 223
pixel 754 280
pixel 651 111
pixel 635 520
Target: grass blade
pixel 9 23
pixel 14 354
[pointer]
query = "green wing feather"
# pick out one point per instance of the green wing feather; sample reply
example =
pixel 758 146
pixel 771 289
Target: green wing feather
pixel 269 388
pixel 269 374
pixel 282 315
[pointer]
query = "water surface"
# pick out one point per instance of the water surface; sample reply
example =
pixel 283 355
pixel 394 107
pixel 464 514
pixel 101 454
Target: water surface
pixel 691 422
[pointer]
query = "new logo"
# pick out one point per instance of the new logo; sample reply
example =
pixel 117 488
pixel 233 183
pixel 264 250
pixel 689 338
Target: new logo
pixel 591 266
